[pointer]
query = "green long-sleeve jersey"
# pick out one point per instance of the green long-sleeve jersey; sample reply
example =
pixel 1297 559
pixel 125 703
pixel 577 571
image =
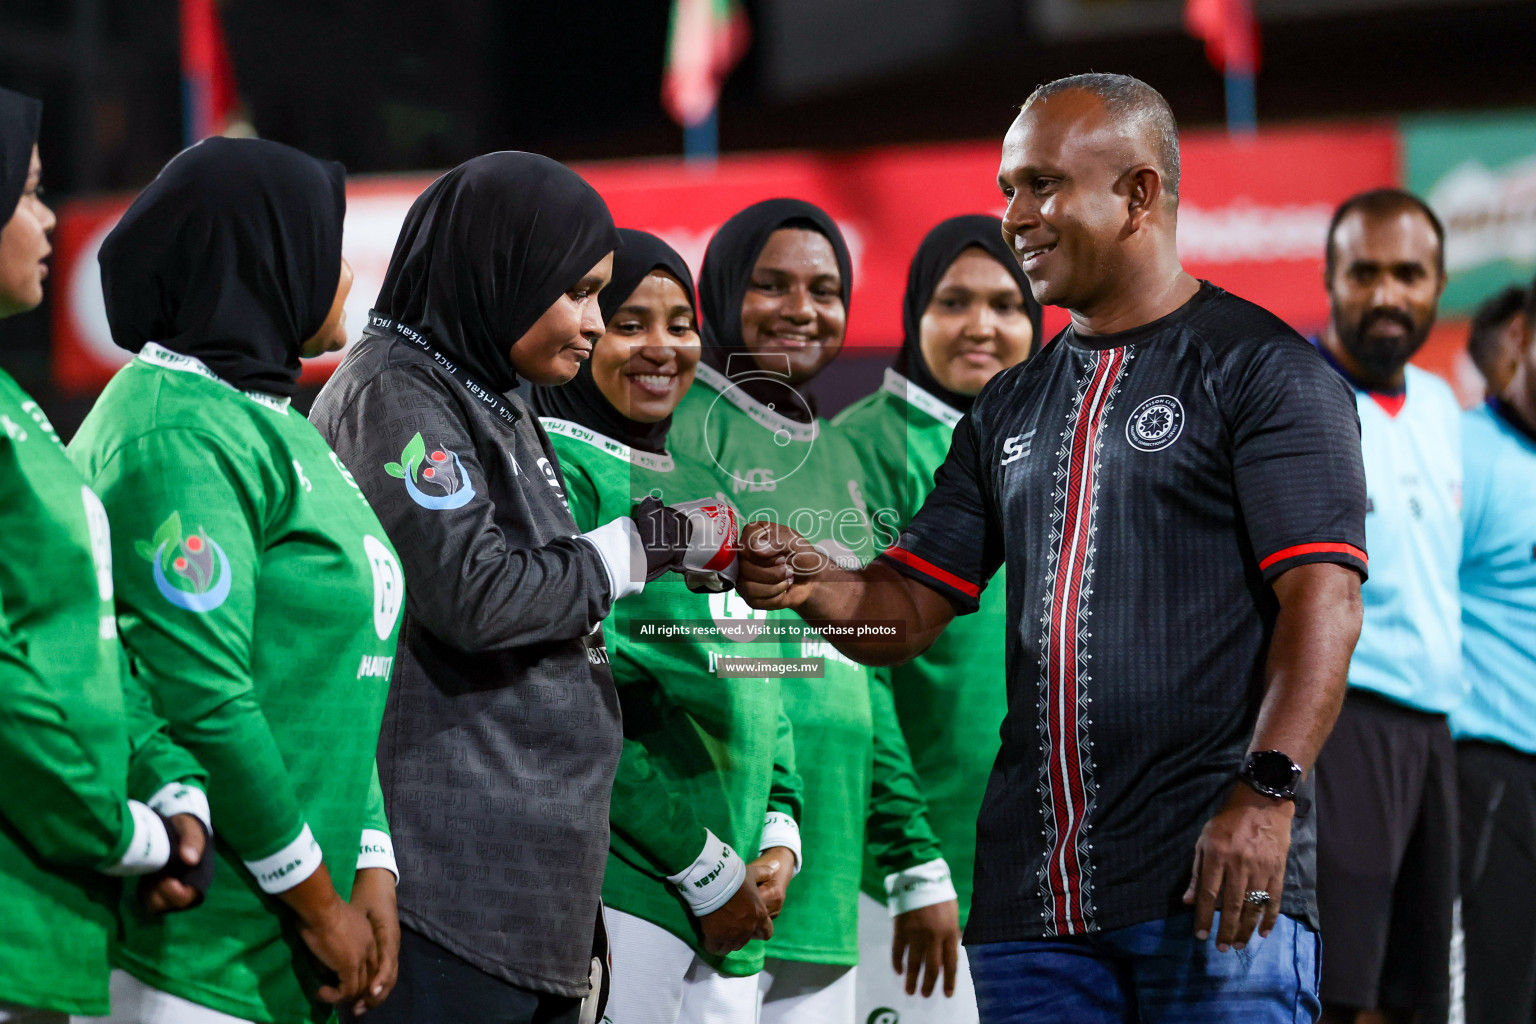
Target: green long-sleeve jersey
pixel 73 751
pixel 806 476
pixel 700 752
pixel 259 599
pixel 902 434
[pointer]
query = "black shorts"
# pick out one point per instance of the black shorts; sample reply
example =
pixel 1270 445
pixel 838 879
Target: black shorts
pixel 436 987
pixel 1386 858
pixel 1498 896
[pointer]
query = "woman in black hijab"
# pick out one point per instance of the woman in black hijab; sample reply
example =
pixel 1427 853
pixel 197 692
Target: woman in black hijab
pixel 647 412
pixel 951 346
pixel 256 593
pixel 502 682
pixel 72 769
pixel 774 291
pixel 24 239
pixel 968 314
pixel 705 802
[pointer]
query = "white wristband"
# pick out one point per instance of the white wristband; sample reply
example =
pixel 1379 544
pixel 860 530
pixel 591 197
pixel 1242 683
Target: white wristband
pixel 713 877
pixel 378 851
pixel 622 553
pixel 779 829
pixel 175 798
pixel 149 845
pixel 918 887
pixel 289 866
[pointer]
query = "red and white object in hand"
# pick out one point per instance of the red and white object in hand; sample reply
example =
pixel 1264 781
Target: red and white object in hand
pixel 714 540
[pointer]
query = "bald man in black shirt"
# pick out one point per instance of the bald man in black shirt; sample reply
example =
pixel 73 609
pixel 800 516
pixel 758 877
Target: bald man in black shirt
pixel 1176 489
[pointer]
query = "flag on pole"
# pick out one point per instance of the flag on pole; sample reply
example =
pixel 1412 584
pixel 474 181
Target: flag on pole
pixel 208 91
pixel 1232 46
pixel 1231 35
pixel 705 40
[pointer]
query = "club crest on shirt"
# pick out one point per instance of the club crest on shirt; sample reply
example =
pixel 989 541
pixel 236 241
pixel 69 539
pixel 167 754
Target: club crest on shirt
pixel 434 479
pixel 190 572
pixel 1155 424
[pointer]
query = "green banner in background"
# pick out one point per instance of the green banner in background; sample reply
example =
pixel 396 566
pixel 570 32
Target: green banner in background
pixel 1479 174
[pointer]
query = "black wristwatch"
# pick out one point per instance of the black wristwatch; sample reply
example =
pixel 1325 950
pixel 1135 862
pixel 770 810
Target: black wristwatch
pixel 1271 773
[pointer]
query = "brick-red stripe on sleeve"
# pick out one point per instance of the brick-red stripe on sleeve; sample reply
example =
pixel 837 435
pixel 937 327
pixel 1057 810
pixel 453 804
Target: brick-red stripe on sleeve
pixel 927 568
pixel 1313 549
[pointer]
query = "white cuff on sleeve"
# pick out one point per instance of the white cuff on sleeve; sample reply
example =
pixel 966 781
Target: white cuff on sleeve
pixel 289 866
pixel 713 877
pixel 149 847
pixel 918 887
pixel 779 829
pixel 378 851
pixel 618 545
pixel 175 798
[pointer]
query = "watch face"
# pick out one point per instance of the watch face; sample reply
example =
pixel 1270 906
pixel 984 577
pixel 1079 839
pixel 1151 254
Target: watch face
pixel 1274 770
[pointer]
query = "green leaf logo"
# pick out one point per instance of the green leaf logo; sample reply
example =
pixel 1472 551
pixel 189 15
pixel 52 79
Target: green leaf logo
pixel 169 534
pixel 415 452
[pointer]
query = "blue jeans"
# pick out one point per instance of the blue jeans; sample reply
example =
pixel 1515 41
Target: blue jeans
pixel 1153 973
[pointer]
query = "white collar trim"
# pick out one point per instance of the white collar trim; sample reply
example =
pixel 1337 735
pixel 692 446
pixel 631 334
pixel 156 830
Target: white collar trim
pixel 763 416
pixel 928 402
pixel 635 457
pixel 158 355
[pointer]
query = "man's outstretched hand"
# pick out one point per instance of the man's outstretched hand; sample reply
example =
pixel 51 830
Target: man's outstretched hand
pixel 778 566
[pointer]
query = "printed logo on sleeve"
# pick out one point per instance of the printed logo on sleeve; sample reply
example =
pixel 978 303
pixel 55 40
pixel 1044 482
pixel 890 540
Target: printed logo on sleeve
pixel 434 479
pixel 190 572
pixel 1017 447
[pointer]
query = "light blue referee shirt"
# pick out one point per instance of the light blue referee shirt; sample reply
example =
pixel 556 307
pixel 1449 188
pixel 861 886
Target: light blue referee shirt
pixel 1498 581
pixel 1410 642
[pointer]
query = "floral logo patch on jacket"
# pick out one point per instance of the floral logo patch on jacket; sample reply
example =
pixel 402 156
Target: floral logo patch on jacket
pixel 190 572
pixel 435 479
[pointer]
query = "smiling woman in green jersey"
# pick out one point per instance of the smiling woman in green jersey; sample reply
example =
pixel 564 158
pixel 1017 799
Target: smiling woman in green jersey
pixel 707 769
pixel 258 596
pixel 968 313
pixel 774 293
pixel 66 821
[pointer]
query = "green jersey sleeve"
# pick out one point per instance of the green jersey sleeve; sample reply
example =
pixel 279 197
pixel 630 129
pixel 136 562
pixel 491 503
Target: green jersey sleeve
pixel 160 773
pixel 53 793
pixel 900 839
pixel 204 510
pixel 375 848
pixel 786 794
pixel 581 494
pixel 656 822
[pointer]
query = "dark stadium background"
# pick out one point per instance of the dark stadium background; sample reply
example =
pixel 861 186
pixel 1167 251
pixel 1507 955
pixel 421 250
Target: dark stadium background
pixel 390 85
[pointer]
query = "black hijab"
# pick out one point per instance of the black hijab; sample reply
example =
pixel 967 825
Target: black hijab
pixel 232 256
pixel 20 118
pixel 728 264
pixel 580 400
pixel 938 251
pixel 486 249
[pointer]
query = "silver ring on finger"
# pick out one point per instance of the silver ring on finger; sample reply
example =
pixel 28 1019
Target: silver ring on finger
pixel 1257 898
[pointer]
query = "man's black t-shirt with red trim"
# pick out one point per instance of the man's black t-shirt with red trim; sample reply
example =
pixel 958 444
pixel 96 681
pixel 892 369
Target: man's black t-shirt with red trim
pixel 1144 489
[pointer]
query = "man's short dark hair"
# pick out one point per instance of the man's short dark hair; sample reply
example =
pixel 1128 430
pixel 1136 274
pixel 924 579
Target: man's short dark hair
pixel 1489 322
pixel 1383 202
pixel 1133 102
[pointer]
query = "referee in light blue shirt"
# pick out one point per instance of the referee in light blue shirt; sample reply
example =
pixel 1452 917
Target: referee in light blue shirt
pixel 1386 780
pixel 1495 727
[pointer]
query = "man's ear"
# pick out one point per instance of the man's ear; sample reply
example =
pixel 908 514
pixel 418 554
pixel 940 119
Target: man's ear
pixel 1144 190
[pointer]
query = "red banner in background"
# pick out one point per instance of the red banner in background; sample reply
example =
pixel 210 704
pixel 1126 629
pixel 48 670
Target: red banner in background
pixel 1253 216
